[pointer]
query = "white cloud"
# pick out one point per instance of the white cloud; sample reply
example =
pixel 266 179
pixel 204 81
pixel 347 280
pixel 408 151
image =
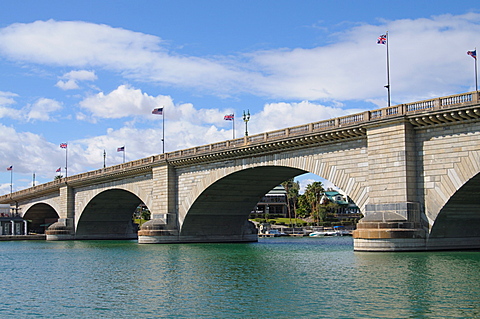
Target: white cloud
pixel 28 153
pixel 73 77
pixel 122 102
pixel 42 108
pixel 428 57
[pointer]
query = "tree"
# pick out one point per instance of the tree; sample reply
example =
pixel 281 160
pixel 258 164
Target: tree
pixel 313 194
pixel 292 188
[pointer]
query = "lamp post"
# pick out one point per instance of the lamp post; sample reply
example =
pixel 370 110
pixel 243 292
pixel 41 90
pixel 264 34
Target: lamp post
pixel 246 118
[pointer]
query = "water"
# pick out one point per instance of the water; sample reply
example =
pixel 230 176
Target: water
pixel 274 278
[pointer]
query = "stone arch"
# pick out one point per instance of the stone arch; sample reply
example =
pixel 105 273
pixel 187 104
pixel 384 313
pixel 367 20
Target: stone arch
pixel 40 216
pixel 443 198
pixel 351 179
pixel 223 207
pixel 460 216
pixel 108 215
pixel 84 196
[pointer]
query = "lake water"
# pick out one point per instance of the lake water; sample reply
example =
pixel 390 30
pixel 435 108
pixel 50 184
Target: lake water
pixel 274 278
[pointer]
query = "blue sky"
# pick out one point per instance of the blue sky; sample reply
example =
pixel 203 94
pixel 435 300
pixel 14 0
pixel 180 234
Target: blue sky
pixel 88 73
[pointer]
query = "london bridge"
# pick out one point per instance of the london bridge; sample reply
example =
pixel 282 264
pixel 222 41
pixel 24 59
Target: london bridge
pixel 412 169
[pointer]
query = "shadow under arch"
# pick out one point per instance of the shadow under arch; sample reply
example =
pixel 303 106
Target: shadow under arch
pixel 108 215
pixel 40 216
pixel 222 209
pixel 460 217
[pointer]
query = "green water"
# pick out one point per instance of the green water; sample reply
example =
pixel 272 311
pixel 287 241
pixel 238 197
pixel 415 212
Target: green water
pixel 274 278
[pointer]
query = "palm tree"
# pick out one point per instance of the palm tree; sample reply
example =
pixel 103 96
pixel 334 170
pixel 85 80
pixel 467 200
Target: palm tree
pixel 313 194
pixel 292 188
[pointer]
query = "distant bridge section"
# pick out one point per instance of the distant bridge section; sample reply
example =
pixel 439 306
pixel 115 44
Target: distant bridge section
pixel 411 168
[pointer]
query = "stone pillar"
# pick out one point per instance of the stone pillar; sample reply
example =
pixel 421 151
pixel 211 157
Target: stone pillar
pixel 64 228
pixel 392 220
pixel 163 227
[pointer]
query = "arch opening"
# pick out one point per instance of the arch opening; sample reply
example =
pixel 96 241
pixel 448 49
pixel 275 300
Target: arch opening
pixel 224 207
pixel 39 217
pixel 460 217
pixel 109 215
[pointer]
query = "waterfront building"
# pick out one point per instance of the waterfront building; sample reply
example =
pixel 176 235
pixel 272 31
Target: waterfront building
pixel 11 223
pixel 346 208
pixel 273 204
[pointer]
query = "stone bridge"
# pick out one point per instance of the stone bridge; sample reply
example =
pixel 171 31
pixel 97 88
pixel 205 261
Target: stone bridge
pixel 411 168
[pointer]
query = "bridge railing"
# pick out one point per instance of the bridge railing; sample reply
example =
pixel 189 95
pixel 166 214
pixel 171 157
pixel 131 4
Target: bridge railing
pixel 315 127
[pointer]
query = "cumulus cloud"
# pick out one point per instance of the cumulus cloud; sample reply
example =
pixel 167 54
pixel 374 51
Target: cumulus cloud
pixel 42 108
pixel 70 80
pixel 42 156
pixel 122 102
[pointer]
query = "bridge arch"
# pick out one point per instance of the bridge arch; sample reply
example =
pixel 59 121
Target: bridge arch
pixel 334 165
pixel 40 216
pixel 460 216
pixel 452 204
pixel 108 215
pixel 222 208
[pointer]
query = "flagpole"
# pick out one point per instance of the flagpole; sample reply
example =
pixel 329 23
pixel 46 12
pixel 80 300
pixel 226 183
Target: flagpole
pixel 123 154
pixel 161 111
pixel 233 126
pixel 66 161
pixel 388 71
pixel 11 181
pixel 163 130
pixel 476 76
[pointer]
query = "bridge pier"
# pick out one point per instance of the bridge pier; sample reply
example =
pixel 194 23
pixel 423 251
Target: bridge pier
pixel 61 230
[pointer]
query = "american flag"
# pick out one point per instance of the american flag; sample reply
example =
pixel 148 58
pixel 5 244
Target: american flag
pixel 121 149
pixel 63 145
pixel 58 170
pixel 9 168
pixel 229 117
pixel 158 111
pixel 473 54
pixel 382 39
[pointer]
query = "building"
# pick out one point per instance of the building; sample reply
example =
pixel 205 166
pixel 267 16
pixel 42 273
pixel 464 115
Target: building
pixel 272 205
pixel 10 223
pixel 346 208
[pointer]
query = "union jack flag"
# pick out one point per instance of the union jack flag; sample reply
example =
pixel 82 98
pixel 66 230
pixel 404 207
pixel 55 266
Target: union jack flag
pixel 382 39
pixel 229 117
pixel 473 54
pixel 63 145
pixel 58 170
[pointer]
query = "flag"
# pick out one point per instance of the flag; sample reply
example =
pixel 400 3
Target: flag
pixel 229 117
pixel 382 39
pixel 9 168
pixel 158 111
pixel 63 145
pixel 58 170
pixel 121 149
pixel 473 54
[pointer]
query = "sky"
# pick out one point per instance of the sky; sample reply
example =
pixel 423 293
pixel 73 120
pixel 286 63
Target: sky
pixel 89 73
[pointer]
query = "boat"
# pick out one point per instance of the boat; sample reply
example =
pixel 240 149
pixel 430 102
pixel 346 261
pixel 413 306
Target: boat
pixel 324 233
